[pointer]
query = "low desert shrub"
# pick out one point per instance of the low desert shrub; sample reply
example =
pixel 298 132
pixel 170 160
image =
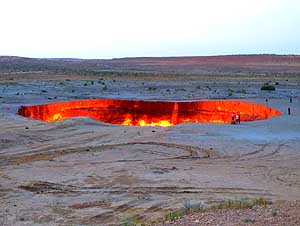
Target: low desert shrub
pixel 268 87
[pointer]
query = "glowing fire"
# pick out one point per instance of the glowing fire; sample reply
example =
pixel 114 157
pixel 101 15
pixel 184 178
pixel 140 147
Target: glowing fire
pixel 150 113
pixel 57 117
pixel 142 122
pixel 163 123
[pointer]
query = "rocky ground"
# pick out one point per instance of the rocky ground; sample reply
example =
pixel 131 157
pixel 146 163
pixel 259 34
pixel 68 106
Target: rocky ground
pixel 278 214
pixel 84 172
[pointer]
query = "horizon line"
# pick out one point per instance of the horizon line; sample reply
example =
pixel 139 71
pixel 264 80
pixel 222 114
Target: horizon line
pixel 136 57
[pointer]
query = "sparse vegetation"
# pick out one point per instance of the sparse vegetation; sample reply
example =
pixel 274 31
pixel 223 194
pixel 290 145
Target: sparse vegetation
pixel 242 203
pixel 242 91
pixel 172 216
pixel 248 219
pixel 181 89
pixel 227 204
pixel 188 205
pixel 133 221
pixel 274 213
pixel 129 223
pixel 268 87
pixel 230 92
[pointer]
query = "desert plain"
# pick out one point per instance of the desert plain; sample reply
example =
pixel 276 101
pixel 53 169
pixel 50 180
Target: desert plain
pixel 80 171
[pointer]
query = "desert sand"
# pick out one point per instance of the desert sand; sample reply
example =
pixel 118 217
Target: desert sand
pixel 81 171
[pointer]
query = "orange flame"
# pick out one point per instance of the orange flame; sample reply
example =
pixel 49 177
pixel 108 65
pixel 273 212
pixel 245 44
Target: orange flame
pixel 150 113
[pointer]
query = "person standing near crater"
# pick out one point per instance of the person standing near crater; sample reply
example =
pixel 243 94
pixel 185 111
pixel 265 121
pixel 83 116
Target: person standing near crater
pixel 232 118
pixel 238 118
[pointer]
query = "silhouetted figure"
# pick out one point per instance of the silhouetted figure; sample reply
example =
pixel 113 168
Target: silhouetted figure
pixel 238 119
pixel 291 99
pixel 232 118
pixel 267 100
pixel 289 111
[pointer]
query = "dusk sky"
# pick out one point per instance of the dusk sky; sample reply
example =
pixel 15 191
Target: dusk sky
pixel 132 28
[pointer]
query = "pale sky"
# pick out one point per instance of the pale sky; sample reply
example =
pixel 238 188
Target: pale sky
pixel 132 28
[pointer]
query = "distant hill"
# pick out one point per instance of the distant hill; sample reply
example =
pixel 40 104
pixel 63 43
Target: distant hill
pixel 257 64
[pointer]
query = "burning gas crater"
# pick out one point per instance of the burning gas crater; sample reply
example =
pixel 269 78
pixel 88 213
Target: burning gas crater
pixel 150 113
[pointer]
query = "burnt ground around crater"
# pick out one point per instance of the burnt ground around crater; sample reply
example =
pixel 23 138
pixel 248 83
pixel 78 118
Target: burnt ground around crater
pixel 84 172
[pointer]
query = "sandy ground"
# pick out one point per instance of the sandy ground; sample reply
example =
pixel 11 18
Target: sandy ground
pixel 85 172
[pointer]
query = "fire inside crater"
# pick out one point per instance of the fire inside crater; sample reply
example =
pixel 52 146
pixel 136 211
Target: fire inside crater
pixel 150 113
